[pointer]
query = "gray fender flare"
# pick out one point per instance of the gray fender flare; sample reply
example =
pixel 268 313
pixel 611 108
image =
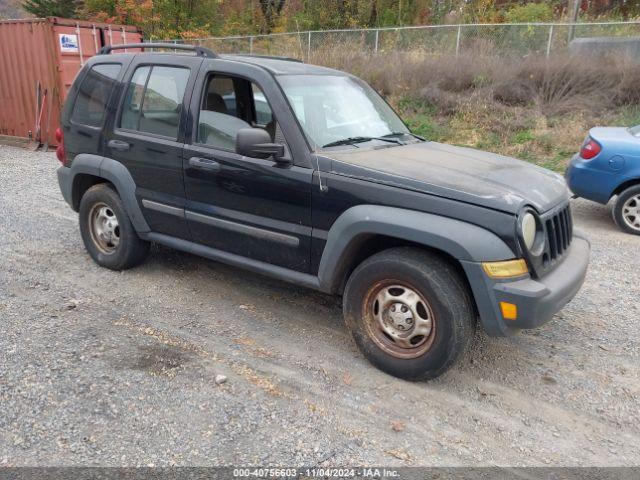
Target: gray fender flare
pixel 462 240
pixel 116 173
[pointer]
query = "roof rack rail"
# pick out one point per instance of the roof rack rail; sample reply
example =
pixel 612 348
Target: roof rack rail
pixel 270 57
pixel 200 51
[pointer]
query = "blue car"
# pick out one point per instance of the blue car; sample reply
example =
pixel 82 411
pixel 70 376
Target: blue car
pixel 608 165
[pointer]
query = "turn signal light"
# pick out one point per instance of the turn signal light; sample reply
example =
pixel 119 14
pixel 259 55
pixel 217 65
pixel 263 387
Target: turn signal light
pixel 509 310
pixel 506 269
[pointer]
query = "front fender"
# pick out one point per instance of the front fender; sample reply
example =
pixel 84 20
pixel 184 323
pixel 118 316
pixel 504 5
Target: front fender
pixel 462 240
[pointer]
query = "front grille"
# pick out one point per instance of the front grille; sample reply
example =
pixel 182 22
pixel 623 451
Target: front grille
pixel 559 232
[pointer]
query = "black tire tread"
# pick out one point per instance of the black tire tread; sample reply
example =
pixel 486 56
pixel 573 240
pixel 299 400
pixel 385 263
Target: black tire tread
pixel 132 249
pixel 450 289
pixel 617 208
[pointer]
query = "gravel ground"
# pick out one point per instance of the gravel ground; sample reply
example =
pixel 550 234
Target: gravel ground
pixel 105 368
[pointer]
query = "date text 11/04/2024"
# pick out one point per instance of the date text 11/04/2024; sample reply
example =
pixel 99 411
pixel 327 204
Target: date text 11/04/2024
pixel 315 473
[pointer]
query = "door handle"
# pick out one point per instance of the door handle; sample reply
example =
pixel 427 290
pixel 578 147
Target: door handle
pixel 118 145
pixel 204 164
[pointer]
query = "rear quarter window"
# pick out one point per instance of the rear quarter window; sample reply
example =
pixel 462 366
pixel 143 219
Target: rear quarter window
pixel 93 94
pixel 154 99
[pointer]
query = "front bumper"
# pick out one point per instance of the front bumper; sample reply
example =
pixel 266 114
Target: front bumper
pixel 537 300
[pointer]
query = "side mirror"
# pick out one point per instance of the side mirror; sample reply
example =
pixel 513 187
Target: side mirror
pixel 256 143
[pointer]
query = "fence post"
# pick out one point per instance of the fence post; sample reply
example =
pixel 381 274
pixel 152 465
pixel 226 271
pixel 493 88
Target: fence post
pixel 377 35
pixel 309 46
pixel 458 40
pixel 250 45
pixel 549 41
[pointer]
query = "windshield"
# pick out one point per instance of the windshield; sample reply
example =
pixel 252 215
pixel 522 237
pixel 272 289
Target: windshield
pixel 334 108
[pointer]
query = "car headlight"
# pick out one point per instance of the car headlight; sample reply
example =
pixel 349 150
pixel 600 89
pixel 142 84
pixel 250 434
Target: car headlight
pixel 531 233
pixel 529 227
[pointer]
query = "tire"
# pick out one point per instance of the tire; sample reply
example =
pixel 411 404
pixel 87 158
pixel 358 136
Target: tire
pixel 107 232
pixel 446 319
pixel 626 210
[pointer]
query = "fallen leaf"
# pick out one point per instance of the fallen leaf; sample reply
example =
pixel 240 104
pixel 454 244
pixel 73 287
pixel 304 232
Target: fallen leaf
pixel 398 425
pixel 399 454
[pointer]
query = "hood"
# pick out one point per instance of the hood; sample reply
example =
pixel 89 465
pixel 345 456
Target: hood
pixel 464 174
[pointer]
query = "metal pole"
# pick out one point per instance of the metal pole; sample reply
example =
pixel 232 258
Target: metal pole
pixel 549 41
pixel 250 45
pixel 458 40
pixel 79 44
pixel 123 34
pixel 377 36
pixel 574 18
pixel 95 38
pixel 309 46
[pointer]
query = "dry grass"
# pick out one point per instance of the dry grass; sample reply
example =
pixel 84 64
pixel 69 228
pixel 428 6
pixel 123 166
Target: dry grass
pixel 535 108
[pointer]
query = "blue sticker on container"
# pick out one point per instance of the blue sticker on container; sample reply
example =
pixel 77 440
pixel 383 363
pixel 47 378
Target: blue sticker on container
pixel 68 42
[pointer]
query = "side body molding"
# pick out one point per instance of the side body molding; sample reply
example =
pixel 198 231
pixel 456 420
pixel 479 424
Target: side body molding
pixel 461 240
pixel 119 176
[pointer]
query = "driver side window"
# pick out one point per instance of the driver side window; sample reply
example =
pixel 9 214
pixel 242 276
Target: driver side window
pixel 229 104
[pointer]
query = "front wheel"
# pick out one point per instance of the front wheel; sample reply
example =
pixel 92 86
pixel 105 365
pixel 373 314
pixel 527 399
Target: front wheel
pixel 409 312
pixel 107 232
pixel 626 210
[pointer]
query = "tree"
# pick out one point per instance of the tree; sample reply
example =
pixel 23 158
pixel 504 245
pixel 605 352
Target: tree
pixel 51 8
pixel 270 11
pixel 11 9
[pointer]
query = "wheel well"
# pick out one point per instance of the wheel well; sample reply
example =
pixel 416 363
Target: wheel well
pixel 81 183
pixel 623 186
pixel 365 246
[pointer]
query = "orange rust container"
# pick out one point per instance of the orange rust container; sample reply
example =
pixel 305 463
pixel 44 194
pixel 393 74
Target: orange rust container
pixel 48 52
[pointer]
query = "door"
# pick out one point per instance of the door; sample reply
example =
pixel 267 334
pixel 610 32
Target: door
pixel 148 137
pixel 241 205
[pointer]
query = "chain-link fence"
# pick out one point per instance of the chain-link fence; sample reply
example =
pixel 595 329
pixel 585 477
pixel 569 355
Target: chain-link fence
pixel 495 39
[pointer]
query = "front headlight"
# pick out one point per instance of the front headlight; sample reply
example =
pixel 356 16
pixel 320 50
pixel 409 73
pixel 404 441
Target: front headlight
pixel 531 233
pixel 529 228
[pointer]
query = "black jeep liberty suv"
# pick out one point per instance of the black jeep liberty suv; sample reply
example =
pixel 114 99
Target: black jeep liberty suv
pixel 306 174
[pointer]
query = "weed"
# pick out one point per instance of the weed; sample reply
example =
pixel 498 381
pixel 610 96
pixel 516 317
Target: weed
pixel 536 108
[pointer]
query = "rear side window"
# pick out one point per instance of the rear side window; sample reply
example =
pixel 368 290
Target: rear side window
pixel 93 94
pixel 154 100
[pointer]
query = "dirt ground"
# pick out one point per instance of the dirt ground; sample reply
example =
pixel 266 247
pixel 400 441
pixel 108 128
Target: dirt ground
pixel 105 368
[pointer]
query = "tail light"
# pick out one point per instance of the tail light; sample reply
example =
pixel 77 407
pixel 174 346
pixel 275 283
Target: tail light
pixel 590 148
pixel 60 153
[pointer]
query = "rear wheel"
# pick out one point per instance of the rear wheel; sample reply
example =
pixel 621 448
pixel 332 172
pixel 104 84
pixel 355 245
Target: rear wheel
pixel 107 232
pixel 626 210
pixel 409 312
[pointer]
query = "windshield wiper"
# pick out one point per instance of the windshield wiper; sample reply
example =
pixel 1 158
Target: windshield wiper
pixel 354 140
pixel 406 133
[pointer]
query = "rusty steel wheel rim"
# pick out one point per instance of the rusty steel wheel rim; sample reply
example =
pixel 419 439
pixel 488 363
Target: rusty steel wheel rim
pixel 104 228
pixel 399 319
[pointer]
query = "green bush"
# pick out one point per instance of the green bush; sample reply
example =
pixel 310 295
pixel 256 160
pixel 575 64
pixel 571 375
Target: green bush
pixel 530 12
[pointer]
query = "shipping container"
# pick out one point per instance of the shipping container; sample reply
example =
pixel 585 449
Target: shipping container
pixel 39 59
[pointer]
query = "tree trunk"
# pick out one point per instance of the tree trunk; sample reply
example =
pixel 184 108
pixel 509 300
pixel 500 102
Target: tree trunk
pixel 373 16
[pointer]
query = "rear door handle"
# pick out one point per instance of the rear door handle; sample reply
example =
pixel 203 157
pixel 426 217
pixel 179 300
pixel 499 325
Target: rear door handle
pixel 204 164
pixel 118 145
